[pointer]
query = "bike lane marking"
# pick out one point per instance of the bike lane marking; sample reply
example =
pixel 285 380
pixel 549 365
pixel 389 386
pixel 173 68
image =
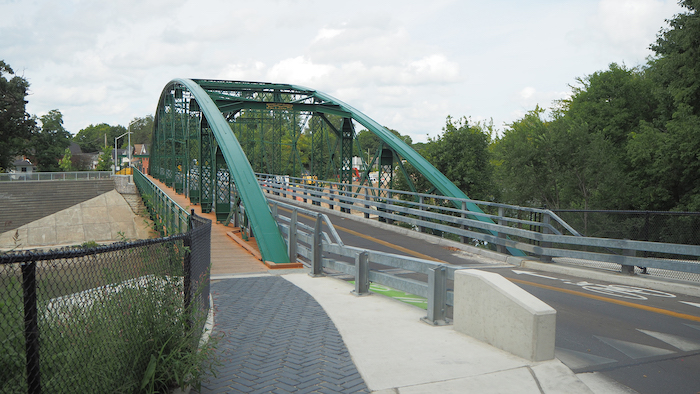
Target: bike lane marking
pixel 611 300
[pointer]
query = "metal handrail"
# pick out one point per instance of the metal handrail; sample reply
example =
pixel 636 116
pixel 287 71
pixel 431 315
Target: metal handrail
pixel 169 216
pixel 542 239
pixel 54 176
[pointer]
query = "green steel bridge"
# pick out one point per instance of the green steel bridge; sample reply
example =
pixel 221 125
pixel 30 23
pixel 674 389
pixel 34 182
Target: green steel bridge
pixel 211 137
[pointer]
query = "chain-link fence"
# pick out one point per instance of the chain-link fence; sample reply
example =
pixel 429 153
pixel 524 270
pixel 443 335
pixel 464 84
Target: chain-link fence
pixel 653 226
pixel 104 319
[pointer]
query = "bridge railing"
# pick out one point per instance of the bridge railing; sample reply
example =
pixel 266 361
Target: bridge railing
pixel 169 216
pixel 537 232
pixel 310 243
pixel 54 176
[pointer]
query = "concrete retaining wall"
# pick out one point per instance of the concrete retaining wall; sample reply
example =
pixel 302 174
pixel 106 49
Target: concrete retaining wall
pixel 490 308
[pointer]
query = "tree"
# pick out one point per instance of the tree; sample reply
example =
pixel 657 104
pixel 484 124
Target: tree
pixel 462 154
pixel 93 137
pixel 104 162
pixel 16 125
pixel 50 141
pixel 677 66
pixel 142 129
pixel 66 162
pixel 613 102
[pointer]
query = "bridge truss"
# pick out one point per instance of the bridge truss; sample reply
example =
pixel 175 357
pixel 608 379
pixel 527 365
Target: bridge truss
pixel 211 136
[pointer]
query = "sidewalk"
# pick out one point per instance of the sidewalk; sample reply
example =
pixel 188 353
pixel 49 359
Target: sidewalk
pixel 285 331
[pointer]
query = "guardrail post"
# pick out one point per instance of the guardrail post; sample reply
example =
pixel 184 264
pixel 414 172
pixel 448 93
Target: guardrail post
pixel 367 205
pixel 316 255
pixel 31 327
pixel 361 274
pixel 292 246
pixel 330 204
pixel 501 222
pixel 545 230
pixel 421 201
pixel 464 215
pixel 437 294
pixel 627 269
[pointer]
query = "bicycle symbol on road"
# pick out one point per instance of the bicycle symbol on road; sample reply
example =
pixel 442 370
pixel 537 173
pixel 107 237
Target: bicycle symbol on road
pixel 631 292
pixel 622 291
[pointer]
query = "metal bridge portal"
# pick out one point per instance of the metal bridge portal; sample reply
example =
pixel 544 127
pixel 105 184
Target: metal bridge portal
pixel 211 137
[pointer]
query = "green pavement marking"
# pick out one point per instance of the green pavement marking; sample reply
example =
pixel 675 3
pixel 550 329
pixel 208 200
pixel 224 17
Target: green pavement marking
pixel 410 299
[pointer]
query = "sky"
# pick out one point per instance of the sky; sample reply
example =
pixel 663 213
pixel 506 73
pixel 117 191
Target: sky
pixel 407 64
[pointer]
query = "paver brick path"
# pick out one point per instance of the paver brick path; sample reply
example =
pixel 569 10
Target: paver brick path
pixel 277 339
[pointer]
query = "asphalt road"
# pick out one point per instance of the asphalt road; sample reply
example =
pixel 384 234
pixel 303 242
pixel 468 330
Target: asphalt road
pixel 646 340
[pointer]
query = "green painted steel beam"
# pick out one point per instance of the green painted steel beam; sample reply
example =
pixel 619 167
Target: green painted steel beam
pixel 270 241
pixel 226 105
pixel 439 180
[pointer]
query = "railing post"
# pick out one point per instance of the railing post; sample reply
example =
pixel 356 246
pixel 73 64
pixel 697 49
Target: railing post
pixel 316 253
pixel 367 205
pixel 501 248
pixel 361 274
pixel 421 201
pixel 545 230
pixel 437 294
pixel 31 327
pixel 464 215
pixel 628 269
pixel 330 204
pixel 292 247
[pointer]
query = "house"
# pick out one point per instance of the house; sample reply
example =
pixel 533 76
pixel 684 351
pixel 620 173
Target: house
pixel 23 167
pixel 140 157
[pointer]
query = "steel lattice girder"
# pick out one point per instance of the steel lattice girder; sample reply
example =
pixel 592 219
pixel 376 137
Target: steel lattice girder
pixel 234 96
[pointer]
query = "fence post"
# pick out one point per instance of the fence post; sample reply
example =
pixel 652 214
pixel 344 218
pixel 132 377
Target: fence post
pixel 330 204
pixel 293 236
pixel 316 256
pixel 361 274
pixel 628 269
pixel 437 303
pixel 31 327
pixel 501 222
pixel 367 205
pixel 545 230
pixel 464 215
pixel 421 201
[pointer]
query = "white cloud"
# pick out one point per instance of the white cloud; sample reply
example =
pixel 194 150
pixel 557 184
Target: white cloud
pixel 404 64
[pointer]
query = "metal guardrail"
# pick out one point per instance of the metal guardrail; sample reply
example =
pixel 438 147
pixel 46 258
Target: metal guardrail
pixel 54 176
pixel 310 243
pixel 169 216
pixel 538 232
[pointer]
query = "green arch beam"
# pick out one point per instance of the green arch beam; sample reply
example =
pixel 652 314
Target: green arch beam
pixel 216 98
pixel 270 242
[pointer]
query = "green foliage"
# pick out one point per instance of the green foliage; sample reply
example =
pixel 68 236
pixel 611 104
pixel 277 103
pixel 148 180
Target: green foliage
pixel 50 141
pixel 93 137
pixel 104 162
pixel 142 129
pixel 16 125
pixel 131 334
pixel 66 163
pixel 462 154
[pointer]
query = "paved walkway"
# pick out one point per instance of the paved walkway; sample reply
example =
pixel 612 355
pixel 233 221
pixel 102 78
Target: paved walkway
pixel 276 337
pixel 286 332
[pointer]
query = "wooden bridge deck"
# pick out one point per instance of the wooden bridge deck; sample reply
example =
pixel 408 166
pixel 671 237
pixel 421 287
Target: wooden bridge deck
pixel 227 256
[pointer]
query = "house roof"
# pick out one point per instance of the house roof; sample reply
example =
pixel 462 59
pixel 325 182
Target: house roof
pixel 22 162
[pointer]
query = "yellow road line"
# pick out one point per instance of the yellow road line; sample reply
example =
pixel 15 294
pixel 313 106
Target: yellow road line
pixel 379 241
pixel 390 245
pixel 611 300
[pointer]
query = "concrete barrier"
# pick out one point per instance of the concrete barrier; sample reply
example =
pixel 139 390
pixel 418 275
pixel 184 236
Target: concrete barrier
pixel 491 309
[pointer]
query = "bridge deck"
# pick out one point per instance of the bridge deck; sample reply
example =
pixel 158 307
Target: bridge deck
pixel 227 256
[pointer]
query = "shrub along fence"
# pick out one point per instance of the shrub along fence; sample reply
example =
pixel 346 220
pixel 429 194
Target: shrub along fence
pixel 120 318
